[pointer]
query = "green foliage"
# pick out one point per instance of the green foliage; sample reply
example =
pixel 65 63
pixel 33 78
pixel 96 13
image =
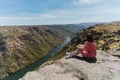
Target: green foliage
pixel 98 47
pixel 97 37
pixel 106 48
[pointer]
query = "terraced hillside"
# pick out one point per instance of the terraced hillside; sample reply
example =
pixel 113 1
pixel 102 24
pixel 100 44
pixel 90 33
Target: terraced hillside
pixel 21 46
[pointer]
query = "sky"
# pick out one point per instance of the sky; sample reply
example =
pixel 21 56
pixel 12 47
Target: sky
pixel 42 12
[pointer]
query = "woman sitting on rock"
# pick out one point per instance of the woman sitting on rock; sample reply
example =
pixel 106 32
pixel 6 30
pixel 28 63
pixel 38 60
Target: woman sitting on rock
pixel 88 50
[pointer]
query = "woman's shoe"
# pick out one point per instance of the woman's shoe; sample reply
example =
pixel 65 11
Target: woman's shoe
pixel 69 54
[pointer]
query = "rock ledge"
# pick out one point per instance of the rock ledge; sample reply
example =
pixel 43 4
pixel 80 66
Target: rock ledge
pixel 106 67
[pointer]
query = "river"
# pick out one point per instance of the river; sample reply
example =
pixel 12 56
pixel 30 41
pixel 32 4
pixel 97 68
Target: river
pixel 33 66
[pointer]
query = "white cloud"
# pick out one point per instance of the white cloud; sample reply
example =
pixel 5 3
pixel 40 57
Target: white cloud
pixel 87 1
pixel 14 18
pixel 26 18
pixel 47 16
pixel 33 19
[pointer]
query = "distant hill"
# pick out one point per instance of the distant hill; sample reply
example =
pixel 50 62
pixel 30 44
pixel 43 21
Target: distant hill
pixel 86 25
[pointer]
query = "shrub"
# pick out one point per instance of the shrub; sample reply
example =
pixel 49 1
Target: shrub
pixel 106 48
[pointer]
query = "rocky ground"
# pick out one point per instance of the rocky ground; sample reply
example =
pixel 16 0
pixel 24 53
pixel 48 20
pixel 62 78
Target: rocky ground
pixel 104 67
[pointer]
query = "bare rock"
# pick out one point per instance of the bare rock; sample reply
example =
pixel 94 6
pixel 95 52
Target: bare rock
pixel 106 67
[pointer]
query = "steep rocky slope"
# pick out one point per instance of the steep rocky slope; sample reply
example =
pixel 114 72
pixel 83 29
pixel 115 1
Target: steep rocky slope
pixel 21 46
pixel 104 67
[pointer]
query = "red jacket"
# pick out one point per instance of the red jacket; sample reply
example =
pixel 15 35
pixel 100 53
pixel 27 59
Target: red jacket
pixel 89 50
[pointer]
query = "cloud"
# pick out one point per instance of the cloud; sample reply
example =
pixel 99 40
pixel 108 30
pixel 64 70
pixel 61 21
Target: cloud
pixel 47 16
pixel 87 1
pixel 14 18
pixel 30 20
pixel 27 18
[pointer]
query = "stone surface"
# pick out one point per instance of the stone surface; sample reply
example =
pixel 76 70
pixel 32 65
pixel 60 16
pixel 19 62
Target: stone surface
pixel 104 67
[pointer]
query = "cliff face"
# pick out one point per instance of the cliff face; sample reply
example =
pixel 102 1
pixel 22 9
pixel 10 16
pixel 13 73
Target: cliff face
pixel 104 67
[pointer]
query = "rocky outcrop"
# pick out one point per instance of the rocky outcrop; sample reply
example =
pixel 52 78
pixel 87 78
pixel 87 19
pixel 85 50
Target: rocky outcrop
pixel 115 52
pixel 103 67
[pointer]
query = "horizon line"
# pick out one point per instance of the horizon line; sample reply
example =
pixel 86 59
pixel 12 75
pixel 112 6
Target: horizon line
pixel 54 24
